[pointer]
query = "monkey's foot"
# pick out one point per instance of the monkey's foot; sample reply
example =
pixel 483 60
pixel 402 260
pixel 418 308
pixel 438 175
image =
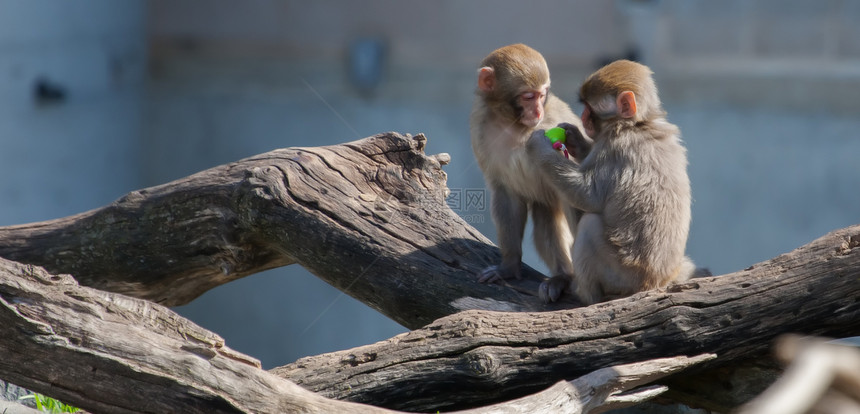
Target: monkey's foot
pixel 551 289
pixel 495 274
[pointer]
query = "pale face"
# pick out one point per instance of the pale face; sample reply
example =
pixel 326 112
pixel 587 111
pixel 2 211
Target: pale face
pixel 532 102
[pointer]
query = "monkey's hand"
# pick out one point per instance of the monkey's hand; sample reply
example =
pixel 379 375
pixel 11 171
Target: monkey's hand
pixel 495 274
pixel 538 145
pixel 578 144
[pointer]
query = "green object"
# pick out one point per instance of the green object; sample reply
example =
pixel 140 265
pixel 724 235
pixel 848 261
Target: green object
pixel 555 135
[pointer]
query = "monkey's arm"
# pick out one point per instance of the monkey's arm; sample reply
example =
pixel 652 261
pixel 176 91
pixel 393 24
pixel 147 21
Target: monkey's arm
pixel 564 175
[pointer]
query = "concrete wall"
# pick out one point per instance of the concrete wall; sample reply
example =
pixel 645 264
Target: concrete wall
pixel 229 82
pixel 443 32
pixel 791 54
pixel 64 156
pixel 763 110
pixel 762 90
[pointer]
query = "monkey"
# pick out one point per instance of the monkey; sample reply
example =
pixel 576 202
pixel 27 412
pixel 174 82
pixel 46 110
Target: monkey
pixel 512 100
pixel 632 189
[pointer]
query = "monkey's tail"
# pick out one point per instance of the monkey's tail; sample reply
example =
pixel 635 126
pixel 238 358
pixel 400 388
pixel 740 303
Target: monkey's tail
pixel 690 271
pixel 702 272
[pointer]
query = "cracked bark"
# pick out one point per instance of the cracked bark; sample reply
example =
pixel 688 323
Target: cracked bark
pixel 477 357
pixel 110 353
pixel 369 217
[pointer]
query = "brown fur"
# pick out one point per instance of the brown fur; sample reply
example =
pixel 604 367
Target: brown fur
pixel 632 188
pixel 499 135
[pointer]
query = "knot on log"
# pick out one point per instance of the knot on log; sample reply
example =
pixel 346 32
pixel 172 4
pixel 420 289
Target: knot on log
pixel 442 158
pixel 678 324
pixel 849 244
pixel 354 360
pixel 482 364
pixel 267 182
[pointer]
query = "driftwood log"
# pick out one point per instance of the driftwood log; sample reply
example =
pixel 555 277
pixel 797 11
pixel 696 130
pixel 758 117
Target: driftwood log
pixel 110 353
pixel 370 218
pixel 484 356
pixel 823 377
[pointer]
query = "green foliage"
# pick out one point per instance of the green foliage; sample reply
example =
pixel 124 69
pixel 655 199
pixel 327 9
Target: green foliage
pixel 50 405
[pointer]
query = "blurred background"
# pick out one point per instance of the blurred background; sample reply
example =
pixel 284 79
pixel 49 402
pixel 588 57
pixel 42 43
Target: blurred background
pixel 101 97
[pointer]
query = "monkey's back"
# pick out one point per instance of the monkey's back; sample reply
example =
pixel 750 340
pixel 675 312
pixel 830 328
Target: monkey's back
pixel 648 209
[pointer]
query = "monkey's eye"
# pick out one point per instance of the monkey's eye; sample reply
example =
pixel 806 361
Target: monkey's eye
pixel 528 96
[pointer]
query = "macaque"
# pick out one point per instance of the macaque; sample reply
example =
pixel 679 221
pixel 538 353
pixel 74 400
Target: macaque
pixel 632 189
pixel 513 100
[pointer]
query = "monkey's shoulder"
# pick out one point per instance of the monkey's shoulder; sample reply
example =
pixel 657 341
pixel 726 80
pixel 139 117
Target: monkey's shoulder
pixel 639 164
pixel 649 144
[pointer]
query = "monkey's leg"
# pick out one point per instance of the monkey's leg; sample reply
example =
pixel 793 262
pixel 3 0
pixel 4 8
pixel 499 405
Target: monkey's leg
pixel 592 259
pixel 552 238
pixel 509 214
pixel 553 241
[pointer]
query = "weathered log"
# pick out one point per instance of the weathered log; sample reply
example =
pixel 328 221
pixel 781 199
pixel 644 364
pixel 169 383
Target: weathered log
pixel 724 387
pixel 109 353
pixel 602 390
pixel 368 217
pixel 478 357
pixel 822 378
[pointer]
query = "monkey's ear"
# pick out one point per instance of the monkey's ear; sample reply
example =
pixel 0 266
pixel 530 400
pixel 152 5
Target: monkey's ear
pixel 626 104
pixel 486 79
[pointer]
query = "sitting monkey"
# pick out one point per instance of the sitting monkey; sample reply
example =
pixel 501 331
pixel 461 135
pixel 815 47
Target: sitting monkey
pixel 632 188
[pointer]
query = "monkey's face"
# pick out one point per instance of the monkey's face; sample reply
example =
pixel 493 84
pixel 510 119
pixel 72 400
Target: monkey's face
pixel 598 112
pixel 529 106
pixel 589 121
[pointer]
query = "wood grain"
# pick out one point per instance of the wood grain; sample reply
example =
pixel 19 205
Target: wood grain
pixel 369 217
pixel 478 357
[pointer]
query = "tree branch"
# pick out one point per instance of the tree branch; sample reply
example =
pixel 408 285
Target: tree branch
pixel 106 352
pixel 602 390
pixel 822 378
pixel 369 217
pixel 480 357
pixel 110 353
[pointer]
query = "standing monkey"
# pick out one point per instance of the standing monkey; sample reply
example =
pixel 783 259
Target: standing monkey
pixel 513 100
pixel 632 188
